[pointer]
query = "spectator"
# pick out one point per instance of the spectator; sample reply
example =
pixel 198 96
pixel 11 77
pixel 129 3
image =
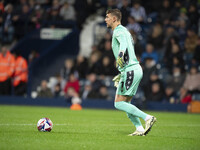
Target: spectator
pixel 176 10
pixel 94 48
pixel 176 80
pixel 50 9
pixel 74 98
pixel 56 81
pixel 150 53
pixel 107 37
pixel 32 5
pixel 170 95
pixel 148 68
pixel 185 96
pixel 191 41
pixel 19 6
pixel 196 56
pixel 125 10
pixel 57 91
pixel 193 15
pixel 165 11
pixel 168 46
pixel 37 16
pixel 54 18
pixel 73 82
pixel 137 44
pixel 67 12
pixel 155 94
pixel 6 27
pixel 111 4
pixel 74 95
pixel 44 92
pixel 20 76
pixel 170 32
pixel 93 63
pixel 138 12
pixel 156 37
pixel 133 25
pixel 88 92
pixel 174 57
pixel 183 14
pixel 7 64
pixel 108 51
pixel 182 32
pixel 107 67
pixel 55 5
pixel 67 69
pixel 153 78
pixel 95 83
pixel 81 66
pixel 192 81
pixel 103 93
pixel 23 22
pixel 178 62
pixel 190 44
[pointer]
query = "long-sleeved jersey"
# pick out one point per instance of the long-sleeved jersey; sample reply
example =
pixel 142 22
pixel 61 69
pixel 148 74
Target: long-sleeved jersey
pixel 123 41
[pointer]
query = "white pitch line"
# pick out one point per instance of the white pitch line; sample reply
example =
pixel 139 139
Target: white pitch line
pixel 29 124
pixel 16 124
pixel 162 125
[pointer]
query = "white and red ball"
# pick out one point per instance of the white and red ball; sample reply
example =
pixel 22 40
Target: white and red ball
pixel 45 125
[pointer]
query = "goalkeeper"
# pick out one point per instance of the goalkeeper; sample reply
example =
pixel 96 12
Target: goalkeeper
pixel 131 73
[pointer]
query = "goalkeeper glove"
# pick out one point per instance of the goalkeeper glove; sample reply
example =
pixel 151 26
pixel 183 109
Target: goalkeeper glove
pixel 120 60
pixel 116 80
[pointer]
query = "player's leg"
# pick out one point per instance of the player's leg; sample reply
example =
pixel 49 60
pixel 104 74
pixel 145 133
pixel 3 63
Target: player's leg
pixel 136 121
pixel 149 121
pixel 127 87
pixel 122 104
pixel 139 128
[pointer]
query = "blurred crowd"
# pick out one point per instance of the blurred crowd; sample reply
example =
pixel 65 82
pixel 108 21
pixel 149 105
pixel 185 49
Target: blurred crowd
pixel 19 17
pixel 166 38
pixel 79 78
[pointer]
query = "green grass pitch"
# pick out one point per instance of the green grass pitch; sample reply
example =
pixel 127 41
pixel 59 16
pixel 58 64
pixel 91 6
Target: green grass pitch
pixel 94 129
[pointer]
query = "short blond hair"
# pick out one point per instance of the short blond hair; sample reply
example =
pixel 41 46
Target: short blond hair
pixel 115 12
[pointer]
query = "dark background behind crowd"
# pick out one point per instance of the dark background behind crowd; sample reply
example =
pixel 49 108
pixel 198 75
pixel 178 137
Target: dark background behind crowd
pixel 167 44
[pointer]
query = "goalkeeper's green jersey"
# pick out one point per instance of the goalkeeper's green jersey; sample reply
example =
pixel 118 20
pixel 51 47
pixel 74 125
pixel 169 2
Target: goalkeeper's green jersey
pixel 123 41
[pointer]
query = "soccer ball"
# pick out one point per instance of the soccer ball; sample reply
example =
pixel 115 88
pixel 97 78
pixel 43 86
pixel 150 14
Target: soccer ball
pixel 45 125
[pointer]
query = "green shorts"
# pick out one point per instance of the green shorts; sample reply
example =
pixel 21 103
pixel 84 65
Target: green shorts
pixel 130 80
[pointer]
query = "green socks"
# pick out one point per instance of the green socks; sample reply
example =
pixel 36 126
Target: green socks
pixel 130 109
pixel 134 120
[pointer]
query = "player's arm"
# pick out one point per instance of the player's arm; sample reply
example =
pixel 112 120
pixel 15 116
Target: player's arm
pixel 122 48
